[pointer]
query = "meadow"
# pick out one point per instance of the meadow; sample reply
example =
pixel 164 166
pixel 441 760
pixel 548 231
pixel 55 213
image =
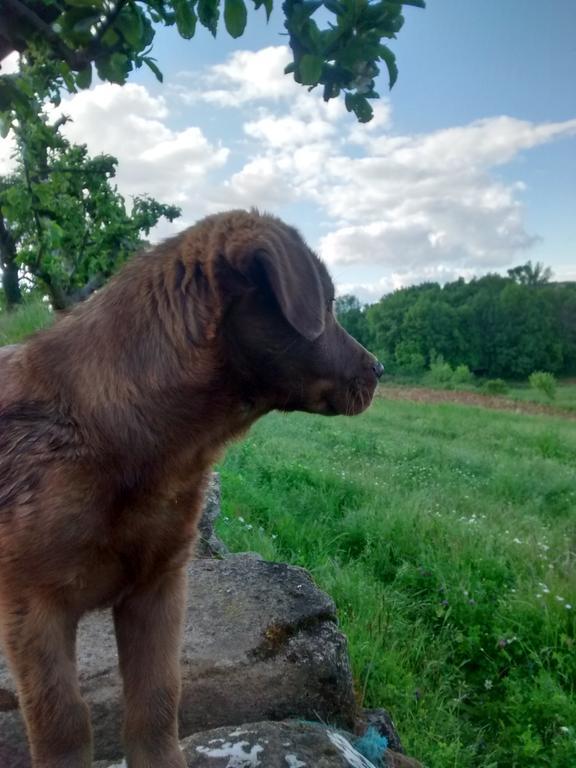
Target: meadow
pixel 446 535
pixel 565 395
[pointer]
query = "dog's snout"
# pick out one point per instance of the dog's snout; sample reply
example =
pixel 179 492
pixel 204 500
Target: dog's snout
pixel 378 369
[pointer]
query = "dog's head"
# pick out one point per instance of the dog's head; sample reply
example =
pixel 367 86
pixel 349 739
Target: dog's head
pixel 280 338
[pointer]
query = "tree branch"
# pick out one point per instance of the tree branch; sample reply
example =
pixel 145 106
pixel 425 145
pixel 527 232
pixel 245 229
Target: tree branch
pixel 72 58
pixel 105 26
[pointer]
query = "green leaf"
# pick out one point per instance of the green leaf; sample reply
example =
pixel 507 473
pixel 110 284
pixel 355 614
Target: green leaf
pixel 331 91
pixel 363 110
pixel 311 6
pixel 415 3
pixel 289 68
pixel 151 63
pixel 131 26
pixel 114 68
pixel 310 69
pixel 85 25
pixel 84 77
pixel 110 37
pixel 185 18
pixel 235 17
pixel 209 14
pixel 358 104
pixel 96 4
pixel 268 5
pixel 388 57
pixel 335 7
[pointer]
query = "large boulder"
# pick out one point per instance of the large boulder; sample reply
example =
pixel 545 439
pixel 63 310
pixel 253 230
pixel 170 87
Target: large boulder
pixel 261 642
pixel 287 744
pixel 208 544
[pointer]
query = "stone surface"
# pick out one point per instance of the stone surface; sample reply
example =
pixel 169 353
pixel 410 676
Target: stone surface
pixel 208 544
pixel 287 744
pixel 261 642
pixel 381 720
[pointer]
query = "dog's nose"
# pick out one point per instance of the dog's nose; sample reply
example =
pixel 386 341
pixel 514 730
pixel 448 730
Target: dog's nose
pixel 378 369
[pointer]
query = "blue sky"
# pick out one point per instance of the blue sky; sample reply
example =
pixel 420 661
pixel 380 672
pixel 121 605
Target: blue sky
pixel 469 167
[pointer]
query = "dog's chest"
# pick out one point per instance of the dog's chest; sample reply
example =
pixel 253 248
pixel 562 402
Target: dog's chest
pixel 155 525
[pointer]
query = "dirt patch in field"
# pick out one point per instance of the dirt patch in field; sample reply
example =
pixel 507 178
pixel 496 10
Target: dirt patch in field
pixel 427 395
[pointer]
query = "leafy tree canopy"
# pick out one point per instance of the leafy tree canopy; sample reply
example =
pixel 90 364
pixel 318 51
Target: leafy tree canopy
pixel 530 274
pixel 496 326
pixel 64 227
pixel 337 44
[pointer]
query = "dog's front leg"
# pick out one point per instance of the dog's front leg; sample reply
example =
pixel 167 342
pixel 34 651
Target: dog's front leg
pixel 39 636
pixel 149 625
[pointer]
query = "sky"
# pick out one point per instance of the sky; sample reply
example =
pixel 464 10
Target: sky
pixel 468 167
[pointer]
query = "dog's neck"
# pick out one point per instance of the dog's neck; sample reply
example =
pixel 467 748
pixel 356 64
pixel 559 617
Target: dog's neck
pixel 135 386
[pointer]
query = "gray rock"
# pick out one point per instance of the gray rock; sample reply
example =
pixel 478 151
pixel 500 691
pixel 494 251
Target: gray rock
pixel 208 544
pixel 271 745
pixel 261 642
pixel 287 744
pixel 383 723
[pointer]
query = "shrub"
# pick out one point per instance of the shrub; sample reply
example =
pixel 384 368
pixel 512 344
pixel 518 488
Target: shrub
pixel 409 360
pixel 414 364
pixel 462 375
pixel 495 387
pixel 543 382
pixel 440 372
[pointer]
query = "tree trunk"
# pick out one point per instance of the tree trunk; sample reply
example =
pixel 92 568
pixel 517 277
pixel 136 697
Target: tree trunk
pixel 11 285
pixel 58 297
pixel 10 280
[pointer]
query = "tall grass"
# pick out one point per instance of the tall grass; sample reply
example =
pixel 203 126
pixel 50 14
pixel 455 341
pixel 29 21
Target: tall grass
pixel 447 537
pixel 17 325
pixel 565 395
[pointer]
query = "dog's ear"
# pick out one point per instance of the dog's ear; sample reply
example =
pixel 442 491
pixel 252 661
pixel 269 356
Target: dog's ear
pixel 294 281
pixel 280 261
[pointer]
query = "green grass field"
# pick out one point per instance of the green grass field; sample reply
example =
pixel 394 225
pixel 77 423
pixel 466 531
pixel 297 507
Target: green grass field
pixel 16 326
pixel 565 395
pixel 447 536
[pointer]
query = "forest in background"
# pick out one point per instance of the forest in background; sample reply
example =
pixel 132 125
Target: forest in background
pixel 498 326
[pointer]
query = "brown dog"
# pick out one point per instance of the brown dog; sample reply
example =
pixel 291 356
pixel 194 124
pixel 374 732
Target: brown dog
pixel 109 424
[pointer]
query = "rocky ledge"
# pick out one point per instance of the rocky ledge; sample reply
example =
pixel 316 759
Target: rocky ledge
pixel 261 645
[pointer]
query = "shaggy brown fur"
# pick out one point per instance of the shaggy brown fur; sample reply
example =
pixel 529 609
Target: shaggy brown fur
pixel 109 424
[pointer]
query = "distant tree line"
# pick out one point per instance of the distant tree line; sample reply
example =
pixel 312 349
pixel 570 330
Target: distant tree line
pixel 498 326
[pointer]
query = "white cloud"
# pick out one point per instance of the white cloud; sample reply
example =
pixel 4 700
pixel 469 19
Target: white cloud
pixel 288 131
pixel 414 205
pixel 433 199
pixel 259 183
pixel 131 124
pixel 10 63
pixel 482 143
pixel 411 207
pixel 370 292
pixel 128 122
pixel 7 149
pixel 248 76
pixel 8 66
